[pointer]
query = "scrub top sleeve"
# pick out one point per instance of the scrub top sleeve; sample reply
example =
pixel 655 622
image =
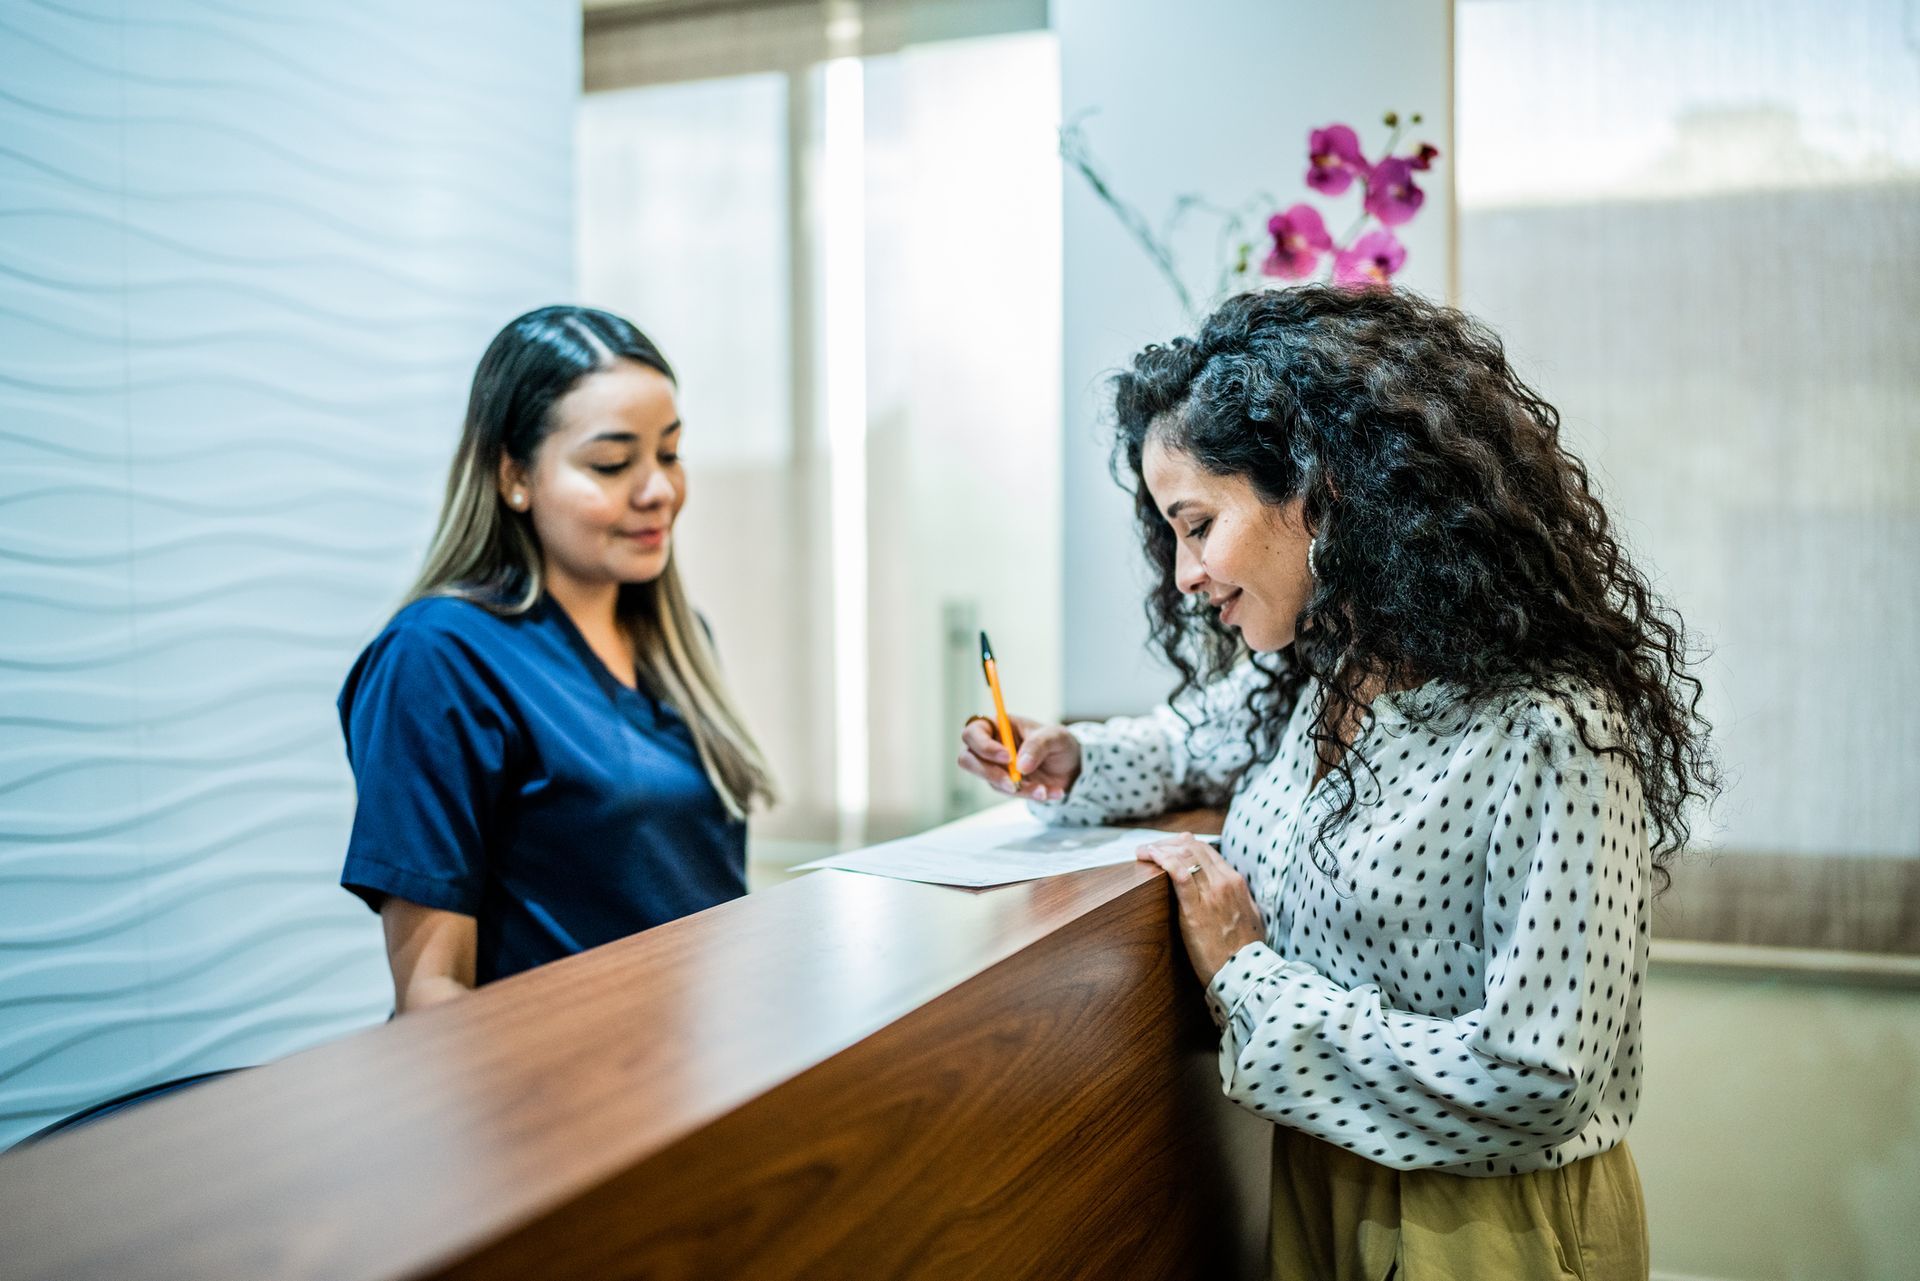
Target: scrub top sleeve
pixel 429 739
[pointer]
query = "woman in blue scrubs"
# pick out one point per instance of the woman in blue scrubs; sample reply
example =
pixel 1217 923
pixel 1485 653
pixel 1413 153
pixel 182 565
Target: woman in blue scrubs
pixel 547 758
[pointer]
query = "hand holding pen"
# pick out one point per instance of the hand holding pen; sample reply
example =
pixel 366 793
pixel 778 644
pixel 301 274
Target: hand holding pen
pixel 1015 754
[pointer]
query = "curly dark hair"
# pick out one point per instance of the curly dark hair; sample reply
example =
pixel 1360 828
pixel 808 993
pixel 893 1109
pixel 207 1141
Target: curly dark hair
pixel 1458 540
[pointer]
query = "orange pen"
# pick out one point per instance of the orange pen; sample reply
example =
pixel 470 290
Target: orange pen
pixel 999 708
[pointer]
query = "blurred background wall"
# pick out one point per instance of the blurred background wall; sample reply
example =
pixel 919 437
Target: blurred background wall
pixel 249 254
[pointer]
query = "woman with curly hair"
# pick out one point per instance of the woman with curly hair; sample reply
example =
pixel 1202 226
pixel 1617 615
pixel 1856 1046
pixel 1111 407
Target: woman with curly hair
pixel 1457 740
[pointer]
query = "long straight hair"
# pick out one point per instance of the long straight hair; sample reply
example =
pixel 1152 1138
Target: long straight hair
pixel 485 552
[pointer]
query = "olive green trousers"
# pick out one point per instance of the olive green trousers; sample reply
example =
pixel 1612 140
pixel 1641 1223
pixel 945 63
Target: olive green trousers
pixel 1340 1217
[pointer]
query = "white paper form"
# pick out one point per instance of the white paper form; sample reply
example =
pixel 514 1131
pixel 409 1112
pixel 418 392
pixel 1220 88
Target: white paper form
pixel 993 849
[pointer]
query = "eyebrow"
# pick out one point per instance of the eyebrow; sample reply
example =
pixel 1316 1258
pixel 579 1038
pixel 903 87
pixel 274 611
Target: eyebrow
pixel 1174 510
pixel 629 438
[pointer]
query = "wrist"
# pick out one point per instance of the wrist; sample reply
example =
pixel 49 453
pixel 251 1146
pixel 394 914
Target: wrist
pixel 1234 947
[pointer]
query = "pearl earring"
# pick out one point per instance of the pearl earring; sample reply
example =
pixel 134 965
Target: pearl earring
pixel 518 500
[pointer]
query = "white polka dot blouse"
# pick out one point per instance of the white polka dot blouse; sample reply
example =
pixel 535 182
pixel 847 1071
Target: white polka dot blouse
pixel 1463 991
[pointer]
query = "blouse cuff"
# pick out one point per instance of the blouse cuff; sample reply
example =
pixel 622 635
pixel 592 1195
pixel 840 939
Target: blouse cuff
pixel 1088 802
pixel 1239 979
pixel 1124 774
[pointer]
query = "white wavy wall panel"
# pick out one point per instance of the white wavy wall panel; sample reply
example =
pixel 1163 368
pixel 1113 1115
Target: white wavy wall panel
pixel 249 253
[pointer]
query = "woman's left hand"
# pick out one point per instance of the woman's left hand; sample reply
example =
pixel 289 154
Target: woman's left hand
pixel 1218 916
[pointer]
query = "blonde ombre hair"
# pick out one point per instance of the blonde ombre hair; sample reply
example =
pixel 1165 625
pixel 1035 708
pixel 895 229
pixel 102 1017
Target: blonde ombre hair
pixel 485 552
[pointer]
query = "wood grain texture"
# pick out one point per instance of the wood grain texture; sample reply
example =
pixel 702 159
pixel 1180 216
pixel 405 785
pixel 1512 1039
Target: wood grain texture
pixel 1030 1123
pixel 842 1076
pixel 1201 822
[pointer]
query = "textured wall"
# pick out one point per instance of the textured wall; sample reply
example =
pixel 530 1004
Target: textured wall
pixel 249 252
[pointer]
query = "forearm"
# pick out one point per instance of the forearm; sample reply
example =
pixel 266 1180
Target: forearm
pixel 431 953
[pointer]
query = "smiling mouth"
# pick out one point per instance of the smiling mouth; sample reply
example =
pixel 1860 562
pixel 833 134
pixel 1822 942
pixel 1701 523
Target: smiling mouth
pixel 1225 605
pixel 647 537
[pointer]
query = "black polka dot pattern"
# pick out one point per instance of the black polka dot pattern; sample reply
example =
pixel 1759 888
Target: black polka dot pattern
pixel 1464 992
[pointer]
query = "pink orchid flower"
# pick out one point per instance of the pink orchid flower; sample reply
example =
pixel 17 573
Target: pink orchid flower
pixel 1333 158
pixel 1299 238
pixel 1392 196
pixel 1370 262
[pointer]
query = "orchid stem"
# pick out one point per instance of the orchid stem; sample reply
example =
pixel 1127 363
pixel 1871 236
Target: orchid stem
pixel 1073 149
pixel 1359 224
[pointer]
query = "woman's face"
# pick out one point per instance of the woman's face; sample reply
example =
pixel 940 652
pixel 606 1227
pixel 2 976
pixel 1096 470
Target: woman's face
pixel 606 484
pixel 1248 558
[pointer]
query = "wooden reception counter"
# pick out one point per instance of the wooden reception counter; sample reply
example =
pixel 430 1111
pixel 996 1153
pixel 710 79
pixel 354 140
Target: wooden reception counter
pixel 841 1076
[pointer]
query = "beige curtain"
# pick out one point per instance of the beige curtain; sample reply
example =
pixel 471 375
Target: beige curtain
pixel 1698 227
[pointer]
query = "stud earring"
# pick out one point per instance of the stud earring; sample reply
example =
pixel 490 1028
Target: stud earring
pixel 519 500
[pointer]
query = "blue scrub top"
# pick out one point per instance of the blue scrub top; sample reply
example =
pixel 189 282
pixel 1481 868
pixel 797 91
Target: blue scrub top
pixel 505 774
